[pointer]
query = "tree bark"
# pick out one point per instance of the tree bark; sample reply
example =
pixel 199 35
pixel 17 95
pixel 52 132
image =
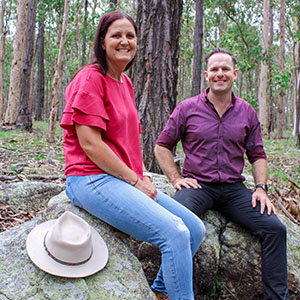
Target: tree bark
pixel 181 89
pixel 40 84
pixel 84 39
pixel 76 11
pixel 298 94
pixel 280 104
pixel 2 57
pixel 262 94
pixel 198 49
pixel 91 48
pixel 57 76
pixel 298 109
pixel 155 69
pixel 24 119
pixel 296 60
pixel 270 78
pixel 16 65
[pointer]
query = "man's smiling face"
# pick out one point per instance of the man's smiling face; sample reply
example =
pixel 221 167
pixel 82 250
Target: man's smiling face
pixel 220 73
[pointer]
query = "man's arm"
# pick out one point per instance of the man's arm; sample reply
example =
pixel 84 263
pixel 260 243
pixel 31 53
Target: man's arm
pixel 260 175
pixel 166 161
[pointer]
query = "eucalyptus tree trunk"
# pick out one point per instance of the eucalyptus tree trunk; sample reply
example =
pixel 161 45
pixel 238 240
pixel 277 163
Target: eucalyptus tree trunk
pixel 298 109
pixel 198 49
pixel 76 11
pixel 155 69
pixel 16 65
pixel 183 58
pixel 91 48
pixel 298 94
pixel 85 24
pixel 56 91
pixel 222 27
pixel 24 119
pixel 270 77
pixel 262 94
pixel 40 83
pixel 280 104
pixel 296 62
pixel 2 57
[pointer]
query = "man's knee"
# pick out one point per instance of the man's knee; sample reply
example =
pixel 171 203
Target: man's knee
pixel 193 199
pixel 280 229
pixel 276 229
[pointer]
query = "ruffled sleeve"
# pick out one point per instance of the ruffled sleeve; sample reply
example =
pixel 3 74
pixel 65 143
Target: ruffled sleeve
pixel 85 101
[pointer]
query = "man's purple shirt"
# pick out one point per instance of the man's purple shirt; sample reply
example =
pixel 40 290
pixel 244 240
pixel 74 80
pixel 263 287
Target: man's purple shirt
pixel 214 147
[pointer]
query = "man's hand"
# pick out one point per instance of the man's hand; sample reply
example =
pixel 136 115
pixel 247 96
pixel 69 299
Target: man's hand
pixel 186 182
pixel 166 161
pixel 261 195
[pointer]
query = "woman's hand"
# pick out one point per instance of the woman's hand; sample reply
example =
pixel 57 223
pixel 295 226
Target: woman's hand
pixel 147 187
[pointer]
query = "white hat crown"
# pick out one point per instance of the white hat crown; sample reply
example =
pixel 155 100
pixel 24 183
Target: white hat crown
pixel 69 240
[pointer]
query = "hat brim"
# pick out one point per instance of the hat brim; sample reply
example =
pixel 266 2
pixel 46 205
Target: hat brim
pixel 39 256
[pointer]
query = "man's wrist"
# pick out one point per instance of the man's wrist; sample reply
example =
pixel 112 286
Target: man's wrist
pixel 175 180
pixel 262 186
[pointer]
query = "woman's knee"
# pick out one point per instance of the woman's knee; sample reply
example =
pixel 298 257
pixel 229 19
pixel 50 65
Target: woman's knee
pixel 201 232
pixel 197 231
pixel 178 231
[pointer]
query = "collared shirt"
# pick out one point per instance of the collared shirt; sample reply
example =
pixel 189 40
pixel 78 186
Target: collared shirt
pixel 214 147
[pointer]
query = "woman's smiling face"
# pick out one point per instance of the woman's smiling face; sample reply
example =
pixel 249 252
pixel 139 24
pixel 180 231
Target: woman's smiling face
pixel 120 43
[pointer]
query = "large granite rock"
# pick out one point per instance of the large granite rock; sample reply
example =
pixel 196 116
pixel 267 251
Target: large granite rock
pixel 228 262
pixel 28 195
pixel 227 265
pixel 122 278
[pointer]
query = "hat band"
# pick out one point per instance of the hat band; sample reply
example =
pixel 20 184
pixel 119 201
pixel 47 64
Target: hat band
pixel 63 262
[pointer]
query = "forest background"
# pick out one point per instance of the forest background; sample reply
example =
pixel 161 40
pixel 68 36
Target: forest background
pixel 43 43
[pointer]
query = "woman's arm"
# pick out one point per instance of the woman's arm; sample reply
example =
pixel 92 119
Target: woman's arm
pixel 91 142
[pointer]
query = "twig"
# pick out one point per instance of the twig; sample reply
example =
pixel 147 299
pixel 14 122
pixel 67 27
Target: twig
pixel 287 213
pixel 294 184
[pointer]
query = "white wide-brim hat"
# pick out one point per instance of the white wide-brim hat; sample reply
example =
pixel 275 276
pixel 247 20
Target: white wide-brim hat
pixel 67 247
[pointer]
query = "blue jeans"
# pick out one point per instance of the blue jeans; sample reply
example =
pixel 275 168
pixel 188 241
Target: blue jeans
pixel 165 223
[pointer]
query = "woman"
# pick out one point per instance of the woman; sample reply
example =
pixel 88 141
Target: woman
pixel 104 167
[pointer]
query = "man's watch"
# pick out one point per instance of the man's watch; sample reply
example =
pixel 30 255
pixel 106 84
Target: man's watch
pixel 148 174
pixel 263 186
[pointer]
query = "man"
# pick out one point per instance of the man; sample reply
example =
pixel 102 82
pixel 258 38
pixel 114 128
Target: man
pixel 216 128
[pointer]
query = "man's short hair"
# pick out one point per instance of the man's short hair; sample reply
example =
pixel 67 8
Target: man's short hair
pixel 219 50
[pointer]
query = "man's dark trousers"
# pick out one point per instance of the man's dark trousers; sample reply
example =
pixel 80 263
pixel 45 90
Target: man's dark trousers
pixel 233 200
